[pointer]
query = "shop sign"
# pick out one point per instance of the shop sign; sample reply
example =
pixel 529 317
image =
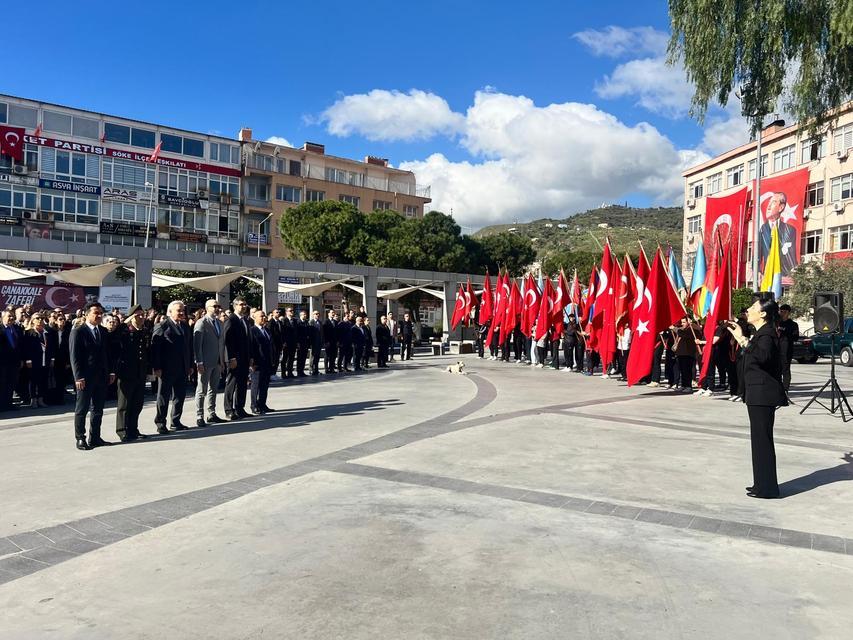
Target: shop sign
pixel 76 187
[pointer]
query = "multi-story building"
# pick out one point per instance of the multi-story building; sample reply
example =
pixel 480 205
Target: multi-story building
pixel 277 177
pixel 827 231
pixel 90 177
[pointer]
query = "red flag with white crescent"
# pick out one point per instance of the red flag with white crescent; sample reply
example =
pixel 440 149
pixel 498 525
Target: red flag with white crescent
pixel 12 142
pixel 604 290
pixel 563 299
pixel 544 319
pixel 487 302
pixel 532 296
pixel 459 308
pixel 156 155
pixel 470 303
pixel 721 308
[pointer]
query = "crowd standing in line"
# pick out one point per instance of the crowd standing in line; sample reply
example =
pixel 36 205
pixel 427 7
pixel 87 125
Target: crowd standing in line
pixel 238 351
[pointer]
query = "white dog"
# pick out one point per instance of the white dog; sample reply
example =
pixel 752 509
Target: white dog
pixel 457 367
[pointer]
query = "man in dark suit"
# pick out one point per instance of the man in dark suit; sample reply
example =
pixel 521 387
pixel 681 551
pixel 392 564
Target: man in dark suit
pixel 787 234
pixel 93 370
pixel 316 334
pixel 11 358
pixel 330 341
pixel 262 363
pixel 290 339
pixel 274 329
pixel 367 353
pixel 303 342
pixel 358 341
pixel 383 342
pixel 789 333
pixel 237 359
pixel 407 334
pixel 132 369
pixel 171 359
pixel 344 336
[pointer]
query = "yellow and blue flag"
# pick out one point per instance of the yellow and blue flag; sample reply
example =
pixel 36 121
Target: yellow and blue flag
pixel 772 279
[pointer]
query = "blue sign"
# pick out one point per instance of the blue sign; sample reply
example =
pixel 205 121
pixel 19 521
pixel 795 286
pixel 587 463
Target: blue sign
pixel 76 187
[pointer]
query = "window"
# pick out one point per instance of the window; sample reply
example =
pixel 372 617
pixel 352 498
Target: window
pixel 841 238
pixel 4 112
pixel 142 138
pixel 814 194
pixel 58 122
pixel 715 183
pixel 222 152
pixel 381 205
pixel 180 182
pixel 353 200
pixel 842 139
pixel 696 189
pixel 173 144
pixel 410 210
pixel 224 184
pixel 810 242
pixel 287 193
pixel 813 150
pixel 841 188
pixel 70 207
pixel 70 166
pixel 315 196
pixel 267 163
pixel 295 168
pixel 751 169
pixel 783 158
pixel 694 224
pixel 258 191
pixel 15 199
pixel 125 212
pixel 116 133
pixel 734 176
pixel 86 128
pixel 344 177
pixel 23 116
pixel 127 174
pixel 193 147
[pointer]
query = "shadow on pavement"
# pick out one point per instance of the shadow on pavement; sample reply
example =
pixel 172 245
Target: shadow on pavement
pixel 815 479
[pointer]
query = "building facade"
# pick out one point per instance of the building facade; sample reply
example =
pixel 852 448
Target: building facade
pixel 827 220
pixel 278 177
pixel 89 177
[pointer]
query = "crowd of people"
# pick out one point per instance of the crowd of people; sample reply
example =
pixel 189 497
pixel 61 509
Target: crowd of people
pixel 47 355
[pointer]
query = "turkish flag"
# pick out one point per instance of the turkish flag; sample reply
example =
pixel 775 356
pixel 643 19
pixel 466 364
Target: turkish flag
pixel 470 303
pixel 532 297
pixel 156 155
pixel 12 142
pixel 501 298
pixel 606 322
pixel 544 319
pixel 576 294
pixel 783 199
pixel 721 308
pixel 563 299
pixel 604 291
pixel 659 308
pixel 625 297
pixel 588 298
pixel 487 302
pixel 513 309
pixel 459 308
pixel 725 220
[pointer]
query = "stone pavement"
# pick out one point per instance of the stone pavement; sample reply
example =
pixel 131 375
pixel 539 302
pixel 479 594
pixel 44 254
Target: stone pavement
pixel 413 503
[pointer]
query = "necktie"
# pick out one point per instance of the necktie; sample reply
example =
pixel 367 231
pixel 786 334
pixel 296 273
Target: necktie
pixel 216 326
pixel 97 335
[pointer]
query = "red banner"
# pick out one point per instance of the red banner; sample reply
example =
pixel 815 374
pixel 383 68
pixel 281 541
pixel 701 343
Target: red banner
pixel 783 199
pixel 42 296
pixel 12 142
pixel 725 222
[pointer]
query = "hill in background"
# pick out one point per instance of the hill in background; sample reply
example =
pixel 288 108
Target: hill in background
pixel 583 232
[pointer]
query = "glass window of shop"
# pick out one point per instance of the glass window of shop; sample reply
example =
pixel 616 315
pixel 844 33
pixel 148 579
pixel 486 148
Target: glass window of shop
pixel 181 182
pixel 222 152
pixel 127 173
pixel 224 184
pixel 127 212
pixel 70 207
pixel 15 199
pixel 70 166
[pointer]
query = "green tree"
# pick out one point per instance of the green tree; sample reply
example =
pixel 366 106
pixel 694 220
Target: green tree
pixel 321 230
pixel 569 261
pixel 193 298
pixel 510 250
pixel 742 298
pixel 749 45
pixel 836 275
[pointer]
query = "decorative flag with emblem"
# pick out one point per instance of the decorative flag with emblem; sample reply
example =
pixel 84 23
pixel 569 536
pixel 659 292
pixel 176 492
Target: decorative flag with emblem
pixel 530 308
pixel 12 142
pixel 470 303
pixel 154 157
pixel 675 274
pixel 487 303
pixel 546 310
pixel 458 308
pixel 697 280
pixel 659 308
pixel 564 298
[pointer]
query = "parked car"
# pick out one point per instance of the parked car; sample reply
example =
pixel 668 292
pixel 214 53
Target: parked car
pixel 803 352
pixel 820 345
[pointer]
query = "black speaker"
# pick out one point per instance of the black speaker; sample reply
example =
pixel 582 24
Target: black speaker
pixel 828 311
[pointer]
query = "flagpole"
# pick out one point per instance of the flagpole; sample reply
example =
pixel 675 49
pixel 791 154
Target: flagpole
pixel 757 203
pixel 739 245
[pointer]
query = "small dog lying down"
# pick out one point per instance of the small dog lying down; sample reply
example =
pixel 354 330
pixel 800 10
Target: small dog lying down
pixel 457 367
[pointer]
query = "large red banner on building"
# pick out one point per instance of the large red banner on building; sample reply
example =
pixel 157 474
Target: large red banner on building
pixel 781 204
pixel 725 222
pixel 12 142
pixel 42 296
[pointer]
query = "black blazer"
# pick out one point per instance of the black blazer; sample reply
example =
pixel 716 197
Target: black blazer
pixel 344 329
pixel 761 382
pixel 330 331
pixel 12 355
pixel 357 336
pixel 383 335
pixel 90 360
pixel 316 334
pixel 33 347
pixel 135 345
pixel 237 340
pixel 171 350
pixel 262 350
pixel 303 333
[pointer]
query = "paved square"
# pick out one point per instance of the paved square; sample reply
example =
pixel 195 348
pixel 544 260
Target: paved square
pixel 413 503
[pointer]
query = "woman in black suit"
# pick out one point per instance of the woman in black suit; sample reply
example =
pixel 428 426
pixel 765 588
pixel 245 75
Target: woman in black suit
pixel 762 391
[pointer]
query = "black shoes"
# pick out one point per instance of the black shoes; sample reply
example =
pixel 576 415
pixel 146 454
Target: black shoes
pixel 233 417
pixel 241 413
pixel 99 442
pixel 162 430
pixel 179 427
pixel 266 409
pixel 200 423
pixel 215 419
pixel 81 444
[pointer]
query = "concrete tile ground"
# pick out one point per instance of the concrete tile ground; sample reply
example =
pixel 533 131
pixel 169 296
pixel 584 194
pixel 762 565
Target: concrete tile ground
pixel 512 503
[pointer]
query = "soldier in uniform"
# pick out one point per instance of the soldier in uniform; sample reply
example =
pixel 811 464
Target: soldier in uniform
pixel 134 340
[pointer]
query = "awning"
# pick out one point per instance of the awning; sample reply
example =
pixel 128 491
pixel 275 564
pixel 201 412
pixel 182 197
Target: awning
pixel 84 276
pixel 395 294
pixel 211 284
pixel 309 289
pixel 356 288
pixel 8 272
pixel 433 292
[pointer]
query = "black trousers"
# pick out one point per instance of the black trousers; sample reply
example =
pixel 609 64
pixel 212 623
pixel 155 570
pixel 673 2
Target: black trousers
pixel 8 380
pixel 622 361
pixel 481 347
pixel 671 368
pixel 330 355
pixel 23 385
pixel 38 382
pixel 686 364
pixel 555 354
pixel 569 356
pixel 406 349
pixel 263 388
pixel 656 358
pixel 786 373
pixel 170 395
pixel 365 358
pixel 382 356
pixel 301 358
pixel 761 420
pixel 235 389
pixel 287 362
pixel 540 355
pixel 315 361
pixel 131 396
pixel 92 396
pixel 493 347
pixel 358 354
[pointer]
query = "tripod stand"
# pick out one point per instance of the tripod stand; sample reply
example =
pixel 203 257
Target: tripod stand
pixel 837 399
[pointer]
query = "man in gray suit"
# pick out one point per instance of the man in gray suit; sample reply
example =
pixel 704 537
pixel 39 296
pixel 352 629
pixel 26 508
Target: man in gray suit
pixel 208 346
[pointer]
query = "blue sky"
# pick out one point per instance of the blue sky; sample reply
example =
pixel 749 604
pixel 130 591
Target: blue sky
pixel 500 106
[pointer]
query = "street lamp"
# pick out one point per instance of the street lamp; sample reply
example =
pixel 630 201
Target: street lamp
pixel 148 212
pixel 258 235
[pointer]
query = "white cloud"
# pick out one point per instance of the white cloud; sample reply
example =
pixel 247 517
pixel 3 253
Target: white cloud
pixel 282 142
pixel 549 161
pixel 615 42
pixel 657 86
pixel 392 115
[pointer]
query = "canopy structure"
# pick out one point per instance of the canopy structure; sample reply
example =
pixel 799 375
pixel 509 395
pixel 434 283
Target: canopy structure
pixel 91 276
pixel 211 284
pixel 356 288
pixel 396 294
pixel 433 292
pixel 310 289
pixel 8 272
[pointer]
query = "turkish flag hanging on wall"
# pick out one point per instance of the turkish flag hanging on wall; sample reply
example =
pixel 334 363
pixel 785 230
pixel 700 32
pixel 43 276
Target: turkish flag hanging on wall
pixel 12 142
pixel 725 221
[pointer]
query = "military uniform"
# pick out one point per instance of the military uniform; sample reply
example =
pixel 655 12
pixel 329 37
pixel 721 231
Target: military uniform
pixel 132 369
